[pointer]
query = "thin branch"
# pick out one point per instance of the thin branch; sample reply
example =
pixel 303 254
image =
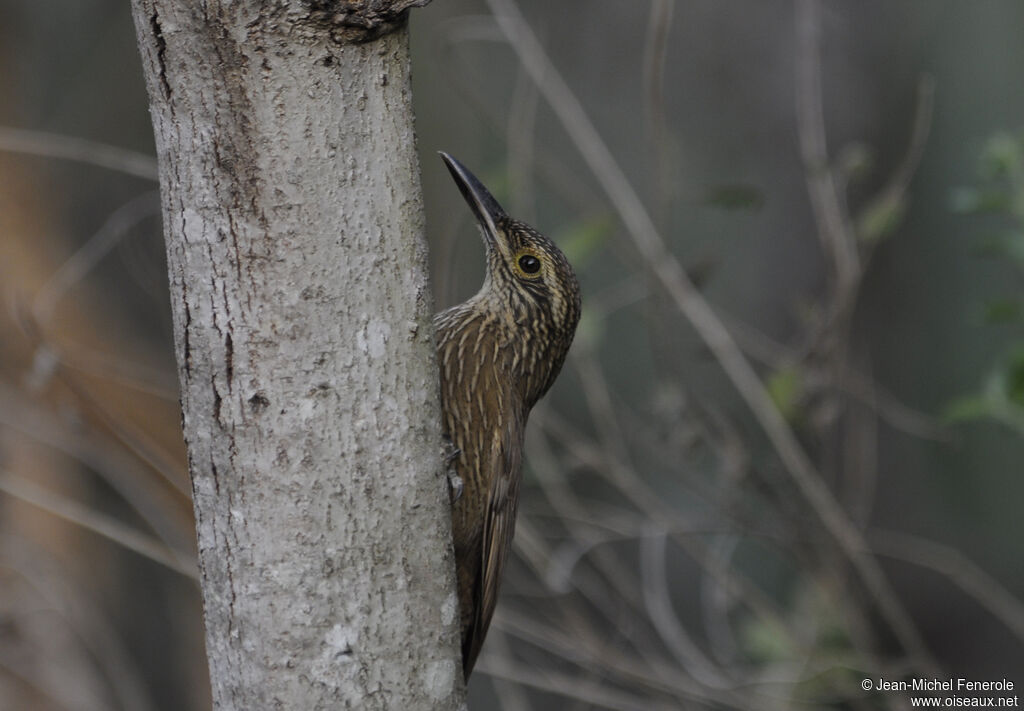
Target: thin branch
pixel 521 142
pixel 960 570
pixel 692 304
pixel 659 25
pixel 89 254
pixel 511 696
pixel 696 309
pixel 899 183
pixel 533 550
pixel 865 390
pixel 834 229
pixel 135 438
pixel 558 176
pixel 664 618
pixel 101 155
pixel 98 523
pixel 596 694
pixel 86 620
pixel 892 198
pixel 609 663
pixel 159 382
pixel 161 508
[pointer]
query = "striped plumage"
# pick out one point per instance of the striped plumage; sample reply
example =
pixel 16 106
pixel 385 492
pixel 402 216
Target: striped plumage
pixel 499 353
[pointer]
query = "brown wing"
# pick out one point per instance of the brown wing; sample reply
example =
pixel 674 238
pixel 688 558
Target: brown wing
pixel 499 526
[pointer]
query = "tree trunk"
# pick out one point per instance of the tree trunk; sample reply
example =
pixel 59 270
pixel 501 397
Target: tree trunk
pixel 302 315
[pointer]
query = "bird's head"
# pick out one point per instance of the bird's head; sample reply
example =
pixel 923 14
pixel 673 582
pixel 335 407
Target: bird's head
pixel 529 283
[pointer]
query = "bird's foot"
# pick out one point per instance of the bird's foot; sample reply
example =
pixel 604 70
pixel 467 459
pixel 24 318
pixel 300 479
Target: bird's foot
pixel 450 453
pixel 454 486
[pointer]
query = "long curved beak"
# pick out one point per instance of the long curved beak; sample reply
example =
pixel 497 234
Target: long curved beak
pixel 487 210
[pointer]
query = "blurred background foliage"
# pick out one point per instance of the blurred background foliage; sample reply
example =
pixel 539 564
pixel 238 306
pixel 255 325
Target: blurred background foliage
pixel 844 184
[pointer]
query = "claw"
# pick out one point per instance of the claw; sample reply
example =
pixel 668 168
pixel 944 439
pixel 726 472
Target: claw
pixel 454 486
pixel 451 453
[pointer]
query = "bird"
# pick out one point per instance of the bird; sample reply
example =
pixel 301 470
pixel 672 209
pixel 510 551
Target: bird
pixel 499 352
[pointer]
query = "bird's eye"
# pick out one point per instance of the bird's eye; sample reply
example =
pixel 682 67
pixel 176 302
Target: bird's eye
pixel 529 264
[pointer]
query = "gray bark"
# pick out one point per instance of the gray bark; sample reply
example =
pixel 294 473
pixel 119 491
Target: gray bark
pixel 293 223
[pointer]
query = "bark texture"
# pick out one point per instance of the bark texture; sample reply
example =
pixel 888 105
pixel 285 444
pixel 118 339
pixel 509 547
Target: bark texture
pixel 302 315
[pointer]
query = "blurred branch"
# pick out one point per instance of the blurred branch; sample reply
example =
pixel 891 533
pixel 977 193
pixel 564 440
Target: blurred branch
pixel 155 381
pixel 959 569
pixel 608 663
pixel 730 579
pixel 154 503
pixel 834 230
pixel 521 141
pixel 596 694
pixel 899 183
pixel 590 647
pixel 696 309
pixel 135 438
pixel 101 155
pixel 594 585
pixel 89 254
pixel 511 696
pixel 664 618
pixel 141 443
pixel 557 176
pixel 62 596
pixel 885 209
pixel 889 408
pixel 92 520
pixel 659 25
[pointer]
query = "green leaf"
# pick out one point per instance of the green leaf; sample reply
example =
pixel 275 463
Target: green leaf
pixel 1002 156
pixel 764 643
pixel 733 197
pixel 1003 311
pixel 785 386
pixel 1002 244
pixel 881 218
pixel 1014 245
pixel 1017 203
pixel 855 161
pixel 967 408
pixel 583 238
pixel 971 201
pixel 1013 379
pixel 1001 397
